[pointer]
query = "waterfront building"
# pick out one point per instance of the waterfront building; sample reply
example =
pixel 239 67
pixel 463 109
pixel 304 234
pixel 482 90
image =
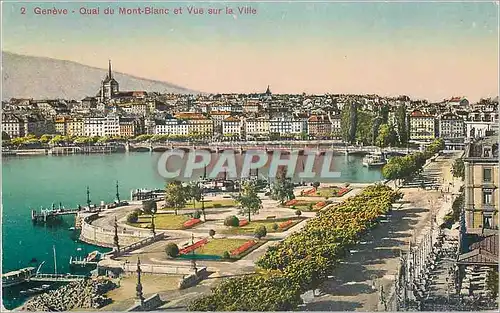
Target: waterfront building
pixel 335 121
pixel 257 128
pixel 13 125
pixel 286 127
pixel 319 126
pixel 37 125
pixel 61 125
pixel 217 118
pixel 452 131
pixel 198 124
pixel 102 126
pixel 172 126
pixel 109 87
pixel 481 185
pixel 232 128
pixel 128 127
pixel 422 126
pixel 75 126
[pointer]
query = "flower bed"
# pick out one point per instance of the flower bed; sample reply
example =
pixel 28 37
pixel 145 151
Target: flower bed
pixel 319 205
pixel 194 246
pixel 244 247
pixel 243 223
pixel 291 202
pixel 285 224
pixel 310 191
pixel 341 192
pixel 191 222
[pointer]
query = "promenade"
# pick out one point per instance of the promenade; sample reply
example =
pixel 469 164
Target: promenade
pixel 356 284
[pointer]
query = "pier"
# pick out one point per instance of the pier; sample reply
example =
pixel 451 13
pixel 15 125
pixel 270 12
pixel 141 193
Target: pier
pixel 57 277
pixel 80 262
pixel 46 215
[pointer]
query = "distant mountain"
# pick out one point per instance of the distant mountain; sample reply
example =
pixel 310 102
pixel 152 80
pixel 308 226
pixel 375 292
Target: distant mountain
pixel 46 78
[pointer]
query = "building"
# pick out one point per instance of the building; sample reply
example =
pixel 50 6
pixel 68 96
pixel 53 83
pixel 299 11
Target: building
pixel 422 126
pixel 13 125
pixel 286 127
pixel 102 126
pixel 198 124
pixel 452 131
pixel 109 87
pixel 172 126
pixel 61 125
pixel 75 127
pixel 319 127
pixel 257 128
pixel 336 121
pixel 481 185
pixel 128 127
pixel 232 128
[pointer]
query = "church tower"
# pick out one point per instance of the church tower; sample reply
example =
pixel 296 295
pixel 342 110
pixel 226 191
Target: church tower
pixel 109 86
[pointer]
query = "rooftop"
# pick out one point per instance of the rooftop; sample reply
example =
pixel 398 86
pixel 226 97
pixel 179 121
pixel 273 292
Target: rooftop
pixel 485 148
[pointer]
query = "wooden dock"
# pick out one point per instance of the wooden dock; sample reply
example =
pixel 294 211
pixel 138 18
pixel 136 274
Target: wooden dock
pixel 57 277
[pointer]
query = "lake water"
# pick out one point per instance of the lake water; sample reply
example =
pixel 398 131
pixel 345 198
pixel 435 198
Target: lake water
pixel 31 182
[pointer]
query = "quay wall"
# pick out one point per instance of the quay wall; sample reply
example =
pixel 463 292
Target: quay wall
pixel 105 237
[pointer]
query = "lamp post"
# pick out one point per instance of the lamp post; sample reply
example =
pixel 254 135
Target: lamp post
pixel 88 197
pixel 153 212
pixel 193 261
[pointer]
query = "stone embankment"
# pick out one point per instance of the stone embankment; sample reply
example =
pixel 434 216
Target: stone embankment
pixel 85 294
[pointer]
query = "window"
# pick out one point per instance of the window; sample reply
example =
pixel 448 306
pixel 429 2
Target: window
pixel 487 197
pixel 487 221
pixel 487 175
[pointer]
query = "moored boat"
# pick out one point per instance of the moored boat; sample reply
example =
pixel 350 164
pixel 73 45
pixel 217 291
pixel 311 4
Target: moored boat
pixel 35 290
pixel 374 160
pixel 18 277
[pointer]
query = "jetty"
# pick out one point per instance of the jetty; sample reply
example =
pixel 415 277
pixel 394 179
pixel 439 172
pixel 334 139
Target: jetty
pixel 57 277
pixel 81 261
pixel 46 215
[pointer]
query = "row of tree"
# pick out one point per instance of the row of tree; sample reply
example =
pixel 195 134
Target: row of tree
pixel 374 127
pixel 406 167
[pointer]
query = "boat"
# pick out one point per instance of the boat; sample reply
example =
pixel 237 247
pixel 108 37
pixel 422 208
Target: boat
pixel 374 160
pixel 93 256
pixel 18 277
pixel 34 290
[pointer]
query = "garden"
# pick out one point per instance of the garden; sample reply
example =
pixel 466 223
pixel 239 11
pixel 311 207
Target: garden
pixel 303 260
pixel 166 221
pixel 208 204
pixel 274 225
pixel 304 205
pixel 326 192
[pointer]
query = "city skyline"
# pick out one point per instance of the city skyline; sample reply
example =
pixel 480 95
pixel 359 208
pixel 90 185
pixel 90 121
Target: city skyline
pixel 424 50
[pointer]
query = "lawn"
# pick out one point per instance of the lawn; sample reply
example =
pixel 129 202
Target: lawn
pixel 224 203
pixel 249 229
pixel 303 205
pixel 162 221
pixel 219 246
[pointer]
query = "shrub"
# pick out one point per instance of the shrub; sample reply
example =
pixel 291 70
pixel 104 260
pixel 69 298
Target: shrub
pixel 197 214
pixel 293 207
pixel 298 212
pixel 226 255
pixel 211 233
pixel 275 227
pixel 172 250
pixel 232 221
pixel 133 217
pixel 217 205
pixel 310 206
pixel 260 232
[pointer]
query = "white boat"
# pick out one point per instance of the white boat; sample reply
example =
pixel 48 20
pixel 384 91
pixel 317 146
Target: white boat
pixel 35 290
pixel 374 160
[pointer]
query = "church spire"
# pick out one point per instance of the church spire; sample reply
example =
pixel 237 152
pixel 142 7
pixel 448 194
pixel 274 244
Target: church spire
pixel 110 75
pixel 268 91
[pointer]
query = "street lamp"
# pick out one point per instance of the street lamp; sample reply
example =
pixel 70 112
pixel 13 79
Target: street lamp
pixel 153 212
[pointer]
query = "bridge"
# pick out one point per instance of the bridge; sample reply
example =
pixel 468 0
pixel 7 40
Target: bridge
pixel 242 148
pixel 57 277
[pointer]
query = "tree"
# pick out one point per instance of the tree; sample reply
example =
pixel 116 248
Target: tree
pixel 492 283
pixel 364 130
pixel 5 136
pixel 275 226
pixel 133 217
pixel 149 206
pixel 260 232
pixel 197 214
pixel 45 138
pixel 211 233
pixel 194 193
pixel 386 136
pixel 458 169
pixel 172 250
pixel 298 213
pixel 232 221
pixel 316 184
pixel 282 188
pixel 175 195
pixel 349 122
pixel 248 201
pixel 402 127
pixel 377 121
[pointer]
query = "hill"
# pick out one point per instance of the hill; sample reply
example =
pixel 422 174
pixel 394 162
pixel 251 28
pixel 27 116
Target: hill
pixel 46 78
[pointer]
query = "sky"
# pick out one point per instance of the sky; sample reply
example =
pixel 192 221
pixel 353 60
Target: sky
pixel 426 50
